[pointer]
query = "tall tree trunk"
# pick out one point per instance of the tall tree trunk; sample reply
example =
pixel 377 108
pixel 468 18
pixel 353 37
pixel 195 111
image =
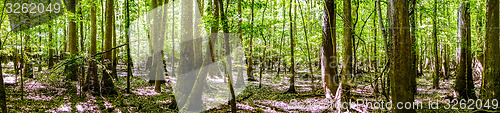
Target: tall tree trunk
pixel 250 50
pixel 347 47
pixel 158 37
pixel 73 43
pixel 291 89
pixel 329 51
pixel 92 78
pixel 413 30
pixel 280 58
pixel 491 72
pixel 227 46
pixel 308 50
pixel 437 67
pixel 402 72
pixel 108 87
pixel 173 42
pixel 375 49
pixel 240 80
pixel 185 86
pixel 127 26
pixel 464 84
pixel 3 101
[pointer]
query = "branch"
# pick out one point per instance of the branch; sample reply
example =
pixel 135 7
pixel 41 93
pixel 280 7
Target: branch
pixel 109 50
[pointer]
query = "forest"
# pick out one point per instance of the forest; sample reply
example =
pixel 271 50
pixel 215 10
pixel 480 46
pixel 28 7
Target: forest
pixel 400 56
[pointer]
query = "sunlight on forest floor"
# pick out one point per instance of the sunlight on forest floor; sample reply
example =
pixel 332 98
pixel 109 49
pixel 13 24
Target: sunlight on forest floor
pixel 49 94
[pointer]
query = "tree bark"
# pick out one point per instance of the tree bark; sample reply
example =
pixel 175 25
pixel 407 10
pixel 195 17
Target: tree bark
pixel 73 43
pixel 240 80
pixel 229 63
pixel 464 84
pixel 437 67
pixel 250 50
pixel 92 78
pixel 185 85
pixel 129 59
pixel 491 72
pixel 347 47
pixel 291 89
pixel 108 87
pixel 328 50
pixel 402 72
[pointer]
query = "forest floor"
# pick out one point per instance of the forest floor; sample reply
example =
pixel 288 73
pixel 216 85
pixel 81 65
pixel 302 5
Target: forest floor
pixel 51 93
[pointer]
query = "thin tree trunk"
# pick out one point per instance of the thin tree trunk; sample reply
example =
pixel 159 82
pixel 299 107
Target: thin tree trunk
pixel 229 63
pixel 308 50
pixel 3 100
pixel 263 59
pixel 240 80
pixel 250 50
pixel 291 89
pixel 129 59
pixel 280 58
pixel 435 80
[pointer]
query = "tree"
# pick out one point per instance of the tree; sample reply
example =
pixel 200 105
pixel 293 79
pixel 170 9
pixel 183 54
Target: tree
pixel 464 84
pixel 129 59
pixel 347 47
pixel 239 80
pixel 3 101
pixel 491 72
pixel 72 42
pixel 402 72
pixel 229 63
pixel 250 50
pixel 108 87
pixel 328 50
pixel 308 51
pixel 185 84
pixel 92 78
pixel 437 67
pixel 291 89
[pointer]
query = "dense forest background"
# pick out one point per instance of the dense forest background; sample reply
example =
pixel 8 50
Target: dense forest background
pixel 249 55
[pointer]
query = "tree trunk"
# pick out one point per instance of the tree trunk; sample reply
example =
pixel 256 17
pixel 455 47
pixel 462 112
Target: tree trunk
pixel 240 80
pixel 491 72
pixel 229 63
pixel 308 50
pixel 402 72
pixel 108 87
pixel 347 47
pixel 280 57
pixel 127 26
pixel 464 84
pixel 328 50
pixel 113 57
pixel 185 85
pixel 92 82
pixel 291 89
pixel 51 49
pixel 435 80
pixel 250 50
pixel 3 99
pixel 73 43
